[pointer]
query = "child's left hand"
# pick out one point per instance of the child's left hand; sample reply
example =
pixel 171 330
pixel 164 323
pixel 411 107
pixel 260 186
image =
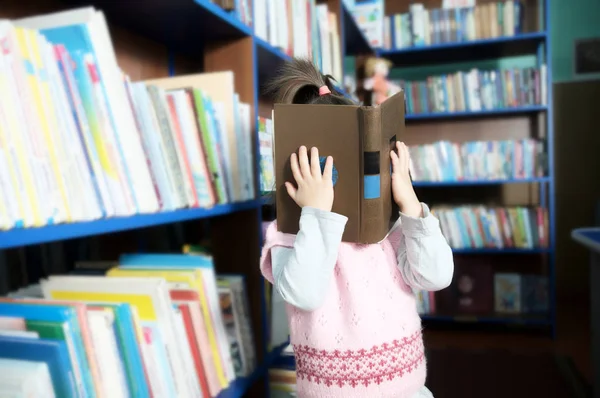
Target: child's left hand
pixel 402 188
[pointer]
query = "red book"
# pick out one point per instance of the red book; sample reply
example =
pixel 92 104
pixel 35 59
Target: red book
pixel 191 336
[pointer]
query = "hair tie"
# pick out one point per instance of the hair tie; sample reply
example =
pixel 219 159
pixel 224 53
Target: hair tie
pixel 324 90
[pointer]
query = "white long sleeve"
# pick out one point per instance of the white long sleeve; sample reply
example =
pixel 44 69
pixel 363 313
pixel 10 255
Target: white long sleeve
pixel 424 258
pixel 302 274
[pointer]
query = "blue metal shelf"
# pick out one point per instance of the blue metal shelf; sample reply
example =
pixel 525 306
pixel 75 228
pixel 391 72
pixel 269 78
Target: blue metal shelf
pixel 509 250
pixel 483 113
pixel 428 184
pixel 524 43
pixel 520 319
pixel 19 237
pixel 538 36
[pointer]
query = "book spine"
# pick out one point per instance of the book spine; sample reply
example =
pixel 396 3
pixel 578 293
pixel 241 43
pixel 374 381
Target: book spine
pixel 370 185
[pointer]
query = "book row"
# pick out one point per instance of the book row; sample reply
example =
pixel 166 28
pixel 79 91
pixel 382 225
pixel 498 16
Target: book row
pixel 301 28
pixel 477 90
pixel 425 27
pixel 480 227
pixel 478 160
pixel 152 325
pixel 477 289
pixel 79 141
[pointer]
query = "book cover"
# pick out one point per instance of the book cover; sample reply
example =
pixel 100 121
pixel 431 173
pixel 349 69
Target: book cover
pixel 359 139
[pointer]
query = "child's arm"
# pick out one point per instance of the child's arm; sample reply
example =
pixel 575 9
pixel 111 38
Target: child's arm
pixel 425 260
pixel 302 274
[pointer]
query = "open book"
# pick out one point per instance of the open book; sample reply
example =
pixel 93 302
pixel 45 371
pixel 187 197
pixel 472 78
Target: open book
pixel 359 139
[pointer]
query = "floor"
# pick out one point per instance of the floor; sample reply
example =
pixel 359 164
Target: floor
pixel 572 340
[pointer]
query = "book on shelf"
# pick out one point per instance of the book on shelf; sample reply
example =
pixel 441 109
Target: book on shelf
pixel 421 27
pixel 370 17
pixel 445 161
pixel 477 90
pixel 240 9
pixel 301 29
pixel 267 154
pixel 79 141
pixel 477 290
pixel 154 325
pixel 481 227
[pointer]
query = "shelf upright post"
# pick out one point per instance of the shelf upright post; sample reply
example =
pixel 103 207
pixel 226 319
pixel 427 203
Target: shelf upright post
pixel 550 146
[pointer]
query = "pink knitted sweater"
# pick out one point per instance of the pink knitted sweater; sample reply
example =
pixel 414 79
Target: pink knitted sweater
pixel 365 341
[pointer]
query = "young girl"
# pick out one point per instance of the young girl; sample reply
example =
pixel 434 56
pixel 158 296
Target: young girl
pixel 353 318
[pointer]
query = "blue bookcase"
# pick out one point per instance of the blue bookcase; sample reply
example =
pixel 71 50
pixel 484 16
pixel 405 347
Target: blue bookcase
pixel 532 43
pixel 202 31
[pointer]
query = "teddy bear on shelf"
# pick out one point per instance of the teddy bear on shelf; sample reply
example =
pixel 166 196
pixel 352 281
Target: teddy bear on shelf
pixel 376 81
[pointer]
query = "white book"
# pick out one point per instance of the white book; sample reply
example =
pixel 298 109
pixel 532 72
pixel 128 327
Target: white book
pixel 247 145
pixel 157 151
pixel 84 205
pixel 272 22
pixel 324 29
pixel 232 178
pixel 186 354
pixel 14 170
pixel 24 379
pixel 190 189
pixel 121 115
pixel 44 130
pixel 110 364
pixel 193 146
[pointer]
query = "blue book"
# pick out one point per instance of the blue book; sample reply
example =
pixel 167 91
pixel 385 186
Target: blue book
pixel 129 349
pixel 57 313
pixel 52 352
pixel 174 261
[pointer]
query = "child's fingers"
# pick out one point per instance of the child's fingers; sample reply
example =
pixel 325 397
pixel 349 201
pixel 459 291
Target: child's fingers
pixel 291 190
pixel 406 156
pixel 295 168
pixel 304 165
pixel 315 164
pixel 395 161
pixel 328 169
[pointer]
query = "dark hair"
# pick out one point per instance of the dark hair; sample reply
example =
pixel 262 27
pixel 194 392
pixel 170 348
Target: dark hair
pixel 298 82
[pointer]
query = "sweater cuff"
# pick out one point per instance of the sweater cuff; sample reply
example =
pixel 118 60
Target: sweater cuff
pixel 421 226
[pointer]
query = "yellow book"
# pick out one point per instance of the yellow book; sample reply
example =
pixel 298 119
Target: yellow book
pixel 185 279
pixel 28 46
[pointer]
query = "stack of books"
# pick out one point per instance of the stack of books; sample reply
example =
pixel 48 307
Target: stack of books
pixel 422 27
pixel 480 227
pixel 301 29
pixel 477 90
pixel 445 161
pixel 154 325
pixel 79 141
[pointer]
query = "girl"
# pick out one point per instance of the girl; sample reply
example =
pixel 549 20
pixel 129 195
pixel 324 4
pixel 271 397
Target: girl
pixel 353 318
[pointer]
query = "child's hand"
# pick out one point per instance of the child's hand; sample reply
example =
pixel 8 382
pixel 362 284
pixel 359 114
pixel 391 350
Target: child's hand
pixel 404 193
pixel 315 189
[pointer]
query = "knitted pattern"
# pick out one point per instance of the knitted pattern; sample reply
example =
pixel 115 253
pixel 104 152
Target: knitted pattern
pixel 365 340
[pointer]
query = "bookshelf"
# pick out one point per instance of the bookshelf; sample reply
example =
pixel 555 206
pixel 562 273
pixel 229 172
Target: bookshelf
pixel 166 38
pixel 499 123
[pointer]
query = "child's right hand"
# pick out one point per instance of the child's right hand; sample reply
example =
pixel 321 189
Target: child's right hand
pixel 315 189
